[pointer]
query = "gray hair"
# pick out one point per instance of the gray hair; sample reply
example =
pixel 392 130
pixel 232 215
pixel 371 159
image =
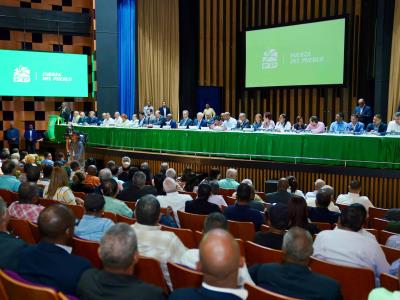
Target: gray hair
pixel 171 173
pixel 117 246
pixel 164 166
pixel 139 178
pixel 231 173
pixel 169 185
pixel 15 156
pixel 319 183
pixel 247 181
pixel 297 244
pixel 105 174
pixel 3 209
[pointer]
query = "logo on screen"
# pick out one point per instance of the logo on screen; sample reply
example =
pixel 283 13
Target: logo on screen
pixel 269 59
pixel 22 75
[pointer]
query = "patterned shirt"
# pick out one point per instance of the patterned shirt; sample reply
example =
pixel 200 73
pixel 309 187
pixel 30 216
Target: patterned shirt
pixel 63 194
pixel 29 212
pixel 164 246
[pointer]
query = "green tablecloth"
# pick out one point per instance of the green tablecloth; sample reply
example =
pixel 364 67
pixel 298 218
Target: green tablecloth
pixel 325 149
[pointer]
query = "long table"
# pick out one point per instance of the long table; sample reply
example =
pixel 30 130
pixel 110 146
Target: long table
pixel 326 149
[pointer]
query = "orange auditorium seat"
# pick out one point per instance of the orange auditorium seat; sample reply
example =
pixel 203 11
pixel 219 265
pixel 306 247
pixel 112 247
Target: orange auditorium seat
pixel 77 210
pixel 390 282
pixel 191 221
pixel 391 254
pixel 242 230
pixel 378 224
pixel 22 229
pixel 87 249
pixel 148 270
pixel 80 195
pixel 376 212
pixel 230 200
pixel 256 254
pixel 182 277
pixel 384 235
pixel 124 219
pixel 8 196
pixel 226 192
pixel 323 226
pixel 110 215
pixel 185 235
pixel 130 204
pixel 35 231
pixel 258 293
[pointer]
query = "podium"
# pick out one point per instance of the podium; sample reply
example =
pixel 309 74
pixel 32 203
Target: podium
pixel 51 125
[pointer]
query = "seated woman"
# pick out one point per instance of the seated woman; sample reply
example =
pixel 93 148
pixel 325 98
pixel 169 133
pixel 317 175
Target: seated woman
pixel 283 123
pixel 201 206
pixel 78 183
pixel 298 215
pixel 299 125
pixel 293 186
pixel 58 188
pixel 315 126
pixel 257 122
pixel 268 123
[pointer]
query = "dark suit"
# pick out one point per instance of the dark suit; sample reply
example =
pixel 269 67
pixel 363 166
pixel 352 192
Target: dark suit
pixel 93 121
pixel 200 207
pixel 101 285
pixel 188 122
pixel 160 121
pixel 83 120
pixel 381 129
pixel 66 114
pixel 51 265
pixel 322 214
pixel 282 197
pixel 172 123
pixel 295 281
pixel 31 138
pixel 201 294
pixel 9 249
pixel 165 112
pixel 364 116
pixel 244 213
pixel 132 193
pixel 245 124
pixel 199 124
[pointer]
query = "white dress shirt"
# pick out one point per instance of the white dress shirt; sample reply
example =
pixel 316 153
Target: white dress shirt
pixel 280 127
pixel 351 198
pixel 240 292
pixel 311 195
pixel 331 207
pixel 230 124
pixel 176 201
pixel 118 121
pixel 350 248
pixel 108 122
pixel 297 193
pixel 393 126
pixel 192 256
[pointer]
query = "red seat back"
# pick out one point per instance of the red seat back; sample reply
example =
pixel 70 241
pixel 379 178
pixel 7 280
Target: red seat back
pixel 346 275
pixel 185 235
pixel 130 204
pixel 384 235
pixel 391 254
pixel 257 293
pixel 21 229
pixel 226 192
pixel 191 221
pixel 242 230
pixel 230 200
pixel 110 215
pixel 376 212
pixel 35 231
pixel 256 254
pixel 148 270
pixel 182 277
pixel 323 226
pixel 87 249
pixel 123 219
pixel 8 196
pixel 77 210
pixel 378 224
pixel 390 282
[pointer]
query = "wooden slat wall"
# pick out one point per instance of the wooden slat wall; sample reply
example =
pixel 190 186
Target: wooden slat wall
pixel 384 192
pixel 222 21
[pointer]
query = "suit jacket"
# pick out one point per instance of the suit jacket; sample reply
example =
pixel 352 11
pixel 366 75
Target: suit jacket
pixel 93 120
pixel 203 123
pixel 35 135
pixel 201 207
pixel 201 294
pixel 282 197
pixel 65 114
pixel 83 120
pixel 167 111
pixel 381 129
pixel 101 285
pixel 160 121
pixel 295 281
pixel 188 122
pixel 10 246
pixel 321 214
pixel 172 124
pixel 53 266
pixel 133 193
pixel 365 116
pixel 245 124
pixel 357 128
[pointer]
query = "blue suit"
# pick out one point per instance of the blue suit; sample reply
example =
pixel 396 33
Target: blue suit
pixel 13 133
pixel 83 120
pixel 188 122
pixel 203 123
pixel 92 121
pixel 172 123
pixel 51 265
pixel 364 116
pixel 31 138
pixel 381 129
pixel 200 294
pixel 357 128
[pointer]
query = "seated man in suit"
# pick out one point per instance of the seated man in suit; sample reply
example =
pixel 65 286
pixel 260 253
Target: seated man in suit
pixel 220 261
pixel 243 122
pixel 159 119
pixel 377 125
pixel 170 121
pixel 200 122
pixel 363 112
pixel 282 195
pixel 185 121
pixel 9 245
pixel 294 278
pixel 321 213
pixel 83 120
pixel 92 119
pixel 209 119
pixel 50 262
pixel 119 253
pixel 355 125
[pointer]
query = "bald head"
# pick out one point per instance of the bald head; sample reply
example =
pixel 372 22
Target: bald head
pixel 283 184
pixel 220 258
pixel 319 183
pixel 56 224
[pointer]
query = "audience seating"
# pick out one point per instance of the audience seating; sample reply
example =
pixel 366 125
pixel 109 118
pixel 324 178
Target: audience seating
pixel 182 277
pixel 323 226
pixel 192 194
pixel 256 254
pixel 148 269
pixel 130 204
pixel 35 231
pixel 124 219
pixel 8 196
pixel 226 192
pixel 110 215
pixel 241 247
pixel 391 254
pixel 264 228
pixel 257 293
pixel 198 236
pixel 3 294
pixel 374 232
pixel 78 210
pixel 17 289
pixel 230 200
pixel 378 224
pixel 48 202
pixel 376 212
pixel 390 282
pixel 242 230
pixel 80 195
pixel 185 235
pixel 341 206
pixel 191 221
pixel 87 249
pixel 21 229
pixel 61 296
pixel 384 235
pixel 346 275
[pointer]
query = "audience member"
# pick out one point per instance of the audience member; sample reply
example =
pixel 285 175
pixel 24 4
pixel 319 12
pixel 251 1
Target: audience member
pixel 26 207
pixel 383 294
pixel 293 186
pixel 171 173
pixel 294 278
pixel 123 171
pixel 347 245
pixel 321 213
pixel 91 177
pixel 200 205
pixel 110 192
pixel 312 202
pixel 119 253
pixel 48 159
pixel 298 216
pixel 8 181
pixel 50 261
pixel 9 245
pixel 58 188
pixel 172 198
pixel 164 246
pixel 137 189
pixel 277 220
pixel 229 183
pixel 318 184
pixel 215 197
pixel 220 261
pixel 78 183
pixel 353 196
pixel 60 159
pixel 282 195
pixel 45 180
pixel 92 226
pixel 158 183
pixel 74 165
pixel 104 174
pixel 241 211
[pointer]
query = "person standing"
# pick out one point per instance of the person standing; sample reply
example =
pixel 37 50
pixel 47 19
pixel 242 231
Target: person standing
pixel 164 109
pixel 77 149
pixel 363 111
pixel 148 107
pixel 65 112
pixel 31 138
pixel 12 136
pixel 209 110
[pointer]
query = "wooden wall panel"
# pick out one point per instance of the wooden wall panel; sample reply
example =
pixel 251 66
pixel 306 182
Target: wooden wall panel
pixel 221 24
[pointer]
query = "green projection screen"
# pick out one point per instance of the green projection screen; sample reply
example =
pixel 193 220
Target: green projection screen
pixel 296 55
pixel 46 74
